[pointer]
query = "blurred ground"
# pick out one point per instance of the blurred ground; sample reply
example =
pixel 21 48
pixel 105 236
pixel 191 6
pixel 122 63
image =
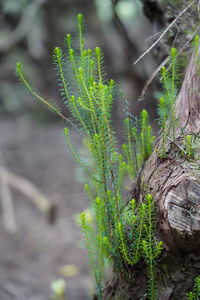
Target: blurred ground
pixel 30 29
pixel 32 259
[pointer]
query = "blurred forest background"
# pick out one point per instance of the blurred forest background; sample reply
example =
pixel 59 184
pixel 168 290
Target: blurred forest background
pixel 33 156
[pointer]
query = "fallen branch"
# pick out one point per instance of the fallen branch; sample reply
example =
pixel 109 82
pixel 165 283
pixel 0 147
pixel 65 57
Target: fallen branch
pixel 30 191
pixel 23 27
pixel 8 215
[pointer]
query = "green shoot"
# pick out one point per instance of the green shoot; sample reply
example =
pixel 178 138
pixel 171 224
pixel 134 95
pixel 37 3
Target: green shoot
pixel 188 145
pixel 166 106
pixel 116 234
pixel 195 293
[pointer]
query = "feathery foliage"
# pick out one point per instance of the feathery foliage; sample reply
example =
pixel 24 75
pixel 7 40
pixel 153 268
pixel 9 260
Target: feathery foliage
pixel 166 105
pixel 116 233
pixel 188 144
pixel 195 293
pixel 139 142
pixel 167 119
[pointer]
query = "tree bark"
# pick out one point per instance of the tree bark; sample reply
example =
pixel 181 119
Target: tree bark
pixel 174 183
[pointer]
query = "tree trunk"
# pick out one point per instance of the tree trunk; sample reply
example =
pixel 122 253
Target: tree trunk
pixel 174 183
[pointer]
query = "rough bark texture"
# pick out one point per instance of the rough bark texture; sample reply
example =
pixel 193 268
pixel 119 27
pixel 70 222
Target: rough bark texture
pixel 175 181
pixel 175 184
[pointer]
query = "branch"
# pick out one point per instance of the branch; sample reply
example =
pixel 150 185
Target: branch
pixel 157 70
pixel 8 215
pixel 164 32
pixel 23 27
pixel 30 191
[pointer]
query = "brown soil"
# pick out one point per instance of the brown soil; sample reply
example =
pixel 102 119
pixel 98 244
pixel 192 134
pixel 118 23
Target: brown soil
pixel 31 260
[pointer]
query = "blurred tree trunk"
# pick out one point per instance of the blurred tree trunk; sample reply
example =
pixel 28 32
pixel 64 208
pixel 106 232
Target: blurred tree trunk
pixel 174 183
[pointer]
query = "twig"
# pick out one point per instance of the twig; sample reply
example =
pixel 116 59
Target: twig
pixel 156 71
pixel 8 215
pixel 164 32
pixel 23 27
pixel 154 35
pixel 30 191
pixel 177 145
pixel 153 75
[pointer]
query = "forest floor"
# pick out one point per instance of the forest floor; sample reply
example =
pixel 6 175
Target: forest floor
pixel 35 256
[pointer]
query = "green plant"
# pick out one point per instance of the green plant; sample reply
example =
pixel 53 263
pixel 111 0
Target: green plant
pixel 166 106
pixel 167 120
pixel 139 142
pixel 195 293
pixel 58 288
pixel 188 144
pixel 116 234
pixel 196 41
pixel 150 246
